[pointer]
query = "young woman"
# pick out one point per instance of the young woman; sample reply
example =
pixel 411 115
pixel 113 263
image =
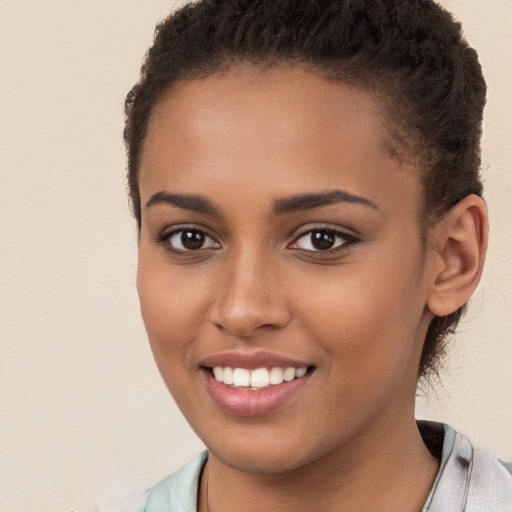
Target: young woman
pixel 305 177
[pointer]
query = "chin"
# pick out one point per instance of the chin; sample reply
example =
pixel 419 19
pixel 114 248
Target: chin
pixel 262 461
pixel 265 451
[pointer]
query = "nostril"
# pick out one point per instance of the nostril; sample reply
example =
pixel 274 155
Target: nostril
pixel 247 328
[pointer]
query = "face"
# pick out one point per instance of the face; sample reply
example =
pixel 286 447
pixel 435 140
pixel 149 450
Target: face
pixel 282 274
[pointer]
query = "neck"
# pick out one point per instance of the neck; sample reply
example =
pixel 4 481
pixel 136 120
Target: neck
pixel 377 471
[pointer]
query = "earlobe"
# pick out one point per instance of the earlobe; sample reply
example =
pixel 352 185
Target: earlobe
pixel 459 242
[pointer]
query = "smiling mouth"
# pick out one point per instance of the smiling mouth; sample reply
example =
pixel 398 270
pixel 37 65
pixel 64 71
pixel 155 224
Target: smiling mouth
pixel 258 378
pixel 255 391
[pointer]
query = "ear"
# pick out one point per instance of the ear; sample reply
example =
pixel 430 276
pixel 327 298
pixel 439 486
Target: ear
pixel 459 243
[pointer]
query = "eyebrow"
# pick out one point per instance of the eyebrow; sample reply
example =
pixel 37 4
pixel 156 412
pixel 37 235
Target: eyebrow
pixel 310 201
pixel 185 201
pixel 282 206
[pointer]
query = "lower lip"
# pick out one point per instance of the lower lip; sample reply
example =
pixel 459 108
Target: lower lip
pixel 244 402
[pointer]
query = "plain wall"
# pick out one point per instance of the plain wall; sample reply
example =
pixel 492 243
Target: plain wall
pixel 82 404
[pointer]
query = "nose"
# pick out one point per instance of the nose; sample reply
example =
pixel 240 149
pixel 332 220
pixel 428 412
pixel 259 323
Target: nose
pixel 251 298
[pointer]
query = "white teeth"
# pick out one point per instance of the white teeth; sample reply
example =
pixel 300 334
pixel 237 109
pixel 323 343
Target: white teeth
pixel 258 378
pixel 241 377
pixel 218 373
pixel 228 376
pixel 289 374
pixel 276 376
pixel 300 372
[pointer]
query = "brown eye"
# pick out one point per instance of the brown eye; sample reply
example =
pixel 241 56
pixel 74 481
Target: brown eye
pixel 322 240
pixel 192 240
pixel 318 240
pixel 186 240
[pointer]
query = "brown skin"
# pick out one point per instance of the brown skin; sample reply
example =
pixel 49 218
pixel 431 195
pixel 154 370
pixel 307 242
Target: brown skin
pixel 358 312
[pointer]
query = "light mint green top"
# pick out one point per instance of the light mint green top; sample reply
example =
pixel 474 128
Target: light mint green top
pixel 468 480
pixel 178 492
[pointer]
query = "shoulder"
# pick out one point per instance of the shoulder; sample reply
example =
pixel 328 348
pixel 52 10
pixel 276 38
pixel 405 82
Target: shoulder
pixel 122 502
pixel 491 483
pixel 179 490
pixel 469 478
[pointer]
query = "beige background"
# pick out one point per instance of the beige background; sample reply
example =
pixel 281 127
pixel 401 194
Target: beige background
pixel 82 405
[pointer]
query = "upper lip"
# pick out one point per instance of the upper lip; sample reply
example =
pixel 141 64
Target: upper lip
pixel 251 361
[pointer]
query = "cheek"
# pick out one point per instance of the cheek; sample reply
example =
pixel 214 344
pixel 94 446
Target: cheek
pixel 364 317
pixel 172 306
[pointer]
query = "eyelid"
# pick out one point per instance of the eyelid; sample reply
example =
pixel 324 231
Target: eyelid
pixel 348 239
pixel 165 235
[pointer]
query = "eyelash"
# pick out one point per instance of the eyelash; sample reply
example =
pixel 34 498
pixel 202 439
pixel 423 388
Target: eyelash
pixel 164 238
pixel 347 240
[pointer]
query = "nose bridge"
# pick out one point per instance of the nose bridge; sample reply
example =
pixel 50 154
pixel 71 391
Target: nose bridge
pixel 250 296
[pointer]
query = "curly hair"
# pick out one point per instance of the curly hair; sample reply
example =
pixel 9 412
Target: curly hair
pixel 411 53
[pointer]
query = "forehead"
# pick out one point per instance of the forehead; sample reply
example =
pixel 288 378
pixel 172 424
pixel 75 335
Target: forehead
pixel 246 87
pixel 265 100
pixel 284 125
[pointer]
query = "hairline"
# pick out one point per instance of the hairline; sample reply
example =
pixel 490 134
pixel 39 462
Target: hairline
pixel 409 152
